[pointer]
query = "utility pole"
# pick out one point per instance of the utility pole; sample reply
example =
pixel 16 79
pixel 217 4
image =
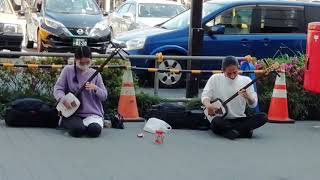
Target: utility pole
pixel 194 46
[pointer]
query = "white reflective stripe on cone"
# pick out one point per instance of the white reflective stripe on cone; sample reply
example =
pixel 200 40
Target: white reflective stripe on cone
pixel 279 93
pixel 281 80
pixel 129 91
pixel 127 76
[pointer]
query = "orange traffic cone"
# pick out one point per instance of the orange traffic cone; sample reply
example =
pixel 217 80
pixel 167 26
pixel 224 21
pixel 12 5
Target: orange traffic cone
pixel 278 110
pixel 127 106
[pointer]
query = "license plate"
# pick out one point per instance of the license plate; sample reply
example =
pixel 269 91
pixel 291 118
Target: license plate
pixel 79 42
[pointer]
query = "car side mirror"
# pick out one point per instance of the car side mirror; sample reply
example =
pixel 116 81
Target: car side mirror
pixel 216 29
pixel 128 16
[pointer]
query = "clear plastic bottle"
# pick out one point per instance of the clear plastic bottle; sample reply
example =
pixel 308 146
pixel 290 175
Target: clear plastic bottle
pixel 159 137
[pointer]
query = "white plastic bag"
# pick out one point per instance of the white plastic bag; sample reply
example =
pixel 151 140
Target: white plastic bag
pixel 154 124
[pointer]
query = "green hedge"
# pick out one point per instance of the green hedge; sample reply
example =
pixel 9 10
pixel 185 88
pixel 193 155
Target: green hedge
pixel 38 83
pixel 303 105
pixel 21 82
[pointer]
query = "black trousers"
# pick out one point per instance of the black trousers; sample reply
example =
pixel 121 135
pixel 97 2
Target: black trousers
pixel 242 125
pixel 76 128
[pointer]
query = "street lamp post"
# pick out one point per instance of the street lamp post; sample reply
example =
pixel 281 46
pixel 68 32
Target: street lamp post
pixel 194 46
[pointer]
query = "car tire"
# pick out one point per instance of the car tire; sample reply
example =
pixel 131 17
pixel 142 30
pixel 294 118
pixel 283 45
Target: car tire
pixel 40 47
pixel 28 44
pixel 15 56
pixel 168 79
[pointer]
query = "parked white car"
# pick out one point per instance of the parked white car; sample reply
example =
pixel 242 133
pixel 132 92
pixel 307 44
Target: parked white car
pixel 11 34
pixel 134 14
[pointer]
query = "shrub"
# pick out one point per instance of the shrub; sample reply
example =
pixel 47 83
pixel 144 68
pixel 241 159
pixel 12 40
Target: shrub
pixel 38 83
pixel 303 105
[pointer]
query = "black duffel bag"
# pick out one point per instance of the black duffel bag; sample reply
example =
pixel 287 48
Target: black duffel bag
pixel 178 117
pixel 30 112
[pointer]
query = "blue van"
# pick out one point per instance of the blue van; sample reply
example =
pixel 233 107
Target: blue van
pixel 263 28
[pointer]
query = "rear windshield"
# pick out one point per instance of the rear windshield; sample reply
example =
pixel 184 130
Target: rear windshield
pixel 159 10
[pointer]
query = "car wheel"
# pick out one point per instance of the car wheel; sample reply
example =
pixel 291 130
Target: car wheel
pixel 28 44
pixel 171 79
pixel 40 47
pixel 17 50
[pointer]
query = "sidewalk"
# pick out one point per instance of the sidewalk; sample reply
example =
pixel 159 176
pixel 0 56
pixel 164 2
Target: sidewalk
pixel 277 152
pixel 178 93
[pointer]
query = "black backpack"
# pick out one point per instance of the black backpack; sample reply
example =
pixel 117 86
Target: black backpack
pixel 178 117
pixel 30 112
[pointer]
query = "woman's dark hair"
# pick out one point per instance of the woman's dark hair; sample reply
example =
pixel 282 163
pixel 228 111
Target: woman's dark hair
pixel 228 61
pixel 80 52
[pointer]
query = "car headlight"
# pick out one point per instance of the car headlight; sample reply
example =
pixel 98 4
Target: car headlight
pixel 134 44
pixel 100 26
pixel 110 47
pixel 52 23
pixel 119 43
pixel 12 28
pixel 55 25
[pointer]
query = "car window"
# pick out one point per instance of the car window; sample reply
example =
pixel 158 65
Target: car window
pixel 72 6
pixel 312 14
pixel 132 9
pixel 123 9
pixel 183 20
pixel 159 10
pixel 5 7
pixel 275 19
pixel 236 20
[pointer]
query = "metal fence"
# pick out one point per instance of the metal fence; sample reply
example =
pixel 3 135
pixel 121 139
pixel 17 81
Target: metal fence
pixel 158 58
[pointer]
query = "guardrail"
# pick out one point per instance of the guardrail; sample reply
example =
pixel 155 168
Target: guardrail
pixel 152 70
pixel 158 58
pixel 143 57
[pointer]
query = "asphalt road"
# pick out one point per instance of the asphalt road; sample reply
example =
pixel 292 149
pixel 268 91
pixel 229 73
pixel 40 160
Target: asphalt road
pixel 277 152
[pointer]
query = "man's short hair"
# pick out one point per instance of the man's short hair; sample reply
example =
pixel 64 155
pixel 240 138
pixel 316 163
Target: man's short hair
pixel 228 61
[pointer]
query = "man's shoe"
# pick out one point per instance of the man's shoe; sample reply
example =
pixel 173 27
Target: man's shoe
pixel 231 134
pixel 246 134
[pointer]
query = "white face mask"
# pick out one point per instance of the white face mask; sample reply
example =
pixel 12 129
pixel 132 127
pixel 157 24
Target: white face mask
pixel 83 67
pixel 229 80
